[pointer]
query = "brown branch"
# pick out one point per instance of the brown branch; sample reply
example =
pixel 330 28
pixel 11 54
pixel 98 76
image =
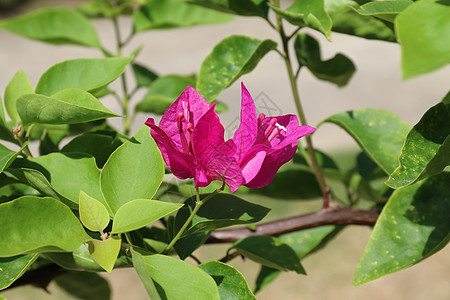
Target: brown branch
pixel 325 216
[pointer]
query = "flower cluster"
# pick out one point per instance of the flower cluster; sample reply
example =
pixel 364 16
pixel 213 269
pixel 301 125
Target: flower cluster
pixel 191 139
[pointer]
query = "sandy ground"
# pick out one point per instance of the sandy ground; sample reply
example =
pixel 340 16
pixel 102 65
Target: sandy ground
pixel 376 84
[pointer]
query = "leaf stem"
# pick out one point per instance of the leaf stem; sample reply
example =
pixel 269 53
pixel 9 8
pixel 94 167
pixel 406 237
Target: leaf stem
pixel 295 92
pixel 198 203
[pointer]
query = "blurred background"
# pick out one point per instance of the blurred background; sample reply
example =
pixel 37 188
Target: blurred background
pixel 376 84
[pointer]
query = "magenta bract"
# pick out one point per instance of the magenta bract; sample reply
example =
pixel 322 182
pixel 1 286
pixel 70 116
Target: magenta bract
pixel 191 139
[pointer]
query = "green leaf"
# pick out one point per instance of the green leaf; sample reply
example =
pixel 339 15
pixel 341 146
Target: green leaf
pixel 84 174
pixel 84 73
pixel 380 134
pixel 50 226
pixel 238 7
pixel 2 116
pixel 269 251
pixel 100 146
pixel 423 32
pixel 163 92
pixel 80 260
pixel 11 268
pixel 174 13
pixel 337 70
pixel 38 181
pixel 99 9
pixel 307 13
pixel 84 285
pixel 105 252
pixel 347 20
pixel 413 225
pixel 93 214
pixel 140 212
pixel 134 171
pixel 385 10
pixel 168 278
pixel 143 76
pixel 69 106
pixel 231 283
pixel 55 26
pixel 8 156
pixel 230 59
pixel 18 86
pixel 426 150
pixel 220 211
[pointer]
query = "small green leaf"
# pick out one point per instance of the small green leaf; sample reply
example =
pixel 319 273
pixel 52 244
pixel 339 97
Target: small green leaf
pixel 230 59
pixel 380 134
pixel 143 76
pixel 239 7
pixel 269 251
pixel 50 226
pixel 307 13
pixel 105 252
pixel 347 20
pixel 93 213
pixel 11 268
pixel 140 212
pixel 426 150
pixel 18 86
pixel 423 32
pixel 84 285
pixel 69 106
pixel 231 283
pixel 163 92
pixel 385 10
pixel 8 156
pixel 55 26
pixel 220 211
pixel 134 171
pixel 99 9
pixel 337 70
pixel 413 225
pixel 166 277
pixel 84 73
pixel 174 13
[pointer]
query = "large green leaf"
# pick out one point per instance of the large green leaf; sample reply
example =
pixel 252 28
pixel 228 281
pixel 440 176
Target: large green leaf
pixel 105 252
pixel 231 283
pixel 239 7
pixel 32 224
pixel 423 31
pixel 230 59
pixel 84 285
pixel 11 268
pixel 158 14
pixel 168 278
pixel 69 106
pixel 380 134
pixel 163 92
pixel 303 242
pixel 18 86
pixel 220 211
pixel 8 156
pixel 307 13
pixel 347 20
pixel 426 150
pixel 93 214
pixel 140 212
pixel 84 73
pixel 55 26
pixel 83 176
pixel 385 10
pixel 269 251
pixel 134 171
pixel 413 225
pixel 337 70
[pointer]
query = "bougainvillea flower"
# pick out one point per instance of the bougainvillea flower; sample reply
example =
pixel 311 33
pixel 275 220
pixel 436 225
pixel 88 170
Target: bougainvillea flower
pixel 191 139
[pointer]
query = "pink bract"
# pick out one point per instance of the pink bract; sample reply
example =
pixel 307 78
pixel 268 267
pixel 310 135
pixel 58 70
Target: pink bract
pixel 191 139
